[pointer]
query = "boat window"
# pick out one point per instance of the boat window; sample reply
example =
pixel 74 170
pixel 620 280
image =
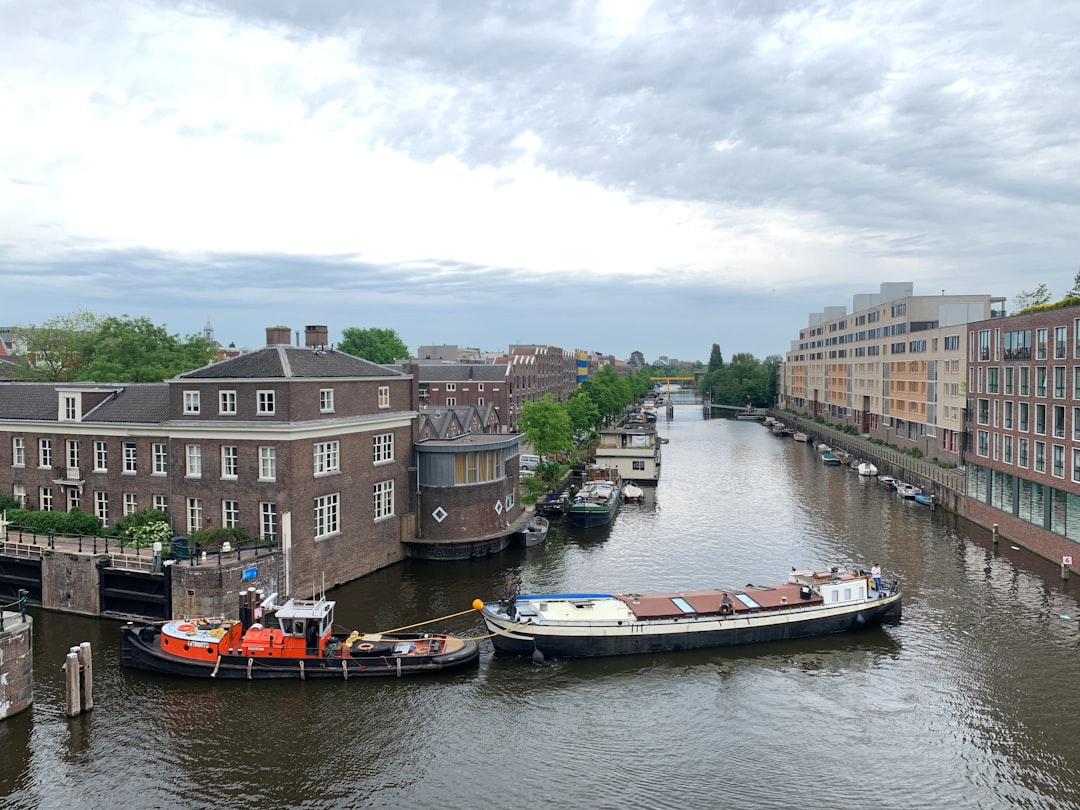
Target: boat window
pixel 682 604
pixel 847 594
pixel 834 596
pixel 746 600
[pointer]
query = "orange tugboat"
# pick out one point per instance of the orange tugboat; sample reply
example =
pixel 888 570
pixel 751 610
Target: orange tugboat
pixel 302 645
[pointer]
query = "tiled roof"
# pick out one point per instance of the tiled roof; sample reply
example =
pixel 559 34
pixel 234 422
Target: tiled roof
pixel 290 362
pixel 145 403
pixel 460 372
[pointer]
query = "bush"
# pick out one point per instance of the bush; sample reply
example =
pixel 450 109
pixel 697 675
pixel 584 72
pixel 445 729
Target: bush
pixel 213 539
pixel 75 522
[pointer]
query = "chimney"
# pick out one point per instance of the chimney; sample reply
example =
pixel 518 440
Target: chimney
pixel 277 335
pixel 315 337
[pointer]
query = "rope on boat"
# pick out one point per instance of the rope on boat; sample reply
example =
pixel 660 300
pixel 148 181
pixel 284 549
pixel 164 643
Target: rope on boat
pixel 513 629
pixel 429 621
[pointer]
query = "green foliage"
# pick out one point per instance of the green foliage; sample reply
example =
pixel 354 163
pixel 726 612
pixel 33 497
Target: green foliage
pixel 546 425
pixel 610 392
pixel 127 350
pixel 213 538
pixel 144 528
pixel 74 522
pixel 744 377
pixel 8 502
pixel 583 413
pixel 1025 300
pixel 716 359
pixel 1067 301
pixel 54 350
pixel 374 344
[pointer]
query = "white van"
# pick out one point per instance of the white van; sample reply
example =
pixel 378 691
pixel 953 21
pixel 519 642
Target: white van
pixel 529 462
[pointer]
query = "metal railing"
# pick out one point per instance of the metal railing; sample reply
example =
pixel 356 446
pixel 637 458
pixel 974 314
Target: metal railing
pixel 19 606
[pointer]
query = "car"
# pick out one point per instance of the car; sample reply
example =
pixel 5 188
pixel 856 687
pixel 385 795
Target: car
pixel 529 462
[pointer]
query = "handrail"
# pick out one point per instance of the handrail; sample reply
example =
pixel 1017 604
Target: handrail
pixel 20 604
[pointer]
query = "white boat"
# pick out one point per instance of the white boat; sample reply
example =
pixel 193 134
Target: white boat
pixel 801 437
pixel 632 493
pixel 578 625
pixel 887 480
pixel 866 468
pixel 535 531
pixel 907 490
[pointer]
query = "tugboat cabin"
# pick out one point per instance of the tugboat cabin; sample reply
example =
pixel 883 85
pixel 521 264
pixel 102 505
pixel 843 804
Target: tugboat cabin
pixel 304 626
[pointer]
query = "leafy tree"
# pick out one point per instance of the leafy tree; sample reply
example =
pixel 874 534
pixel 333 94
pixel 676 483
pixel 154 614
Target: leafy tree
pixel 54 351
pixel 137 350
pixel 610 392
pixel 583 413
pixel 716 359
pixel 546 425
pixel 374 344
pixel 1075 291
pixel 1024 299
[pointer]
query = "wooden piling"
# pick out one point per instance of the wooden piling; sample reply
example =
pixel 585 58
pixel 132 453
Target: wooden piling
pixel 78 680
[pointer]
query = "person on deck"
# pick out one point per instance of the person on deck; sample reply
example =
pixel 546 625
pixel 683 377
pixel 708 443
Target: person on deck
pixel 875 572
pixel 726 606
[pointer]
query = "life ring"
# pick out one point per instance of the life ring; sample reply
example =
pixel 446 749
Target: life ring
pixel 185 627
pixel 367 646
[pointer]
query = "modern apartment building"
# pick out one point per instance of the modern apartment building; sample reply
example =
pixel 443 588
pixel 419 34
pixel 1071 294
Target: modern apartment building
pixel 893 368
pixel 1023 467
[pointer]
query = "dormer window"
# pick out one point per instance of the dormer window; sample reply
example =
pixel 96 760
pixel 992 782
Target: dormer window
pixel 70 410
pixel 191 403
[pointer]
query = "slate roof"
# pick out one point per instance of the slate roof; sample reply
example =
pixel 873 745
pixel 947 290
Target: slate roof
pixel 289 362
pixel 460 372
pixel 144 403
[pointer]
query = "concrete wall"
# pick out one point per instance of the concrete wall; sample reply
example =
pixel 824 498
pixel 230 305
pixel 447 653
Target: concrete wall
pixel 16 665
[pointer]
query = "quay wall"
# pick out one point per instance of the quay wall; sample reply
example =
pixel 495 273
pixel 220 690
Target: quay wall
pixel 16 663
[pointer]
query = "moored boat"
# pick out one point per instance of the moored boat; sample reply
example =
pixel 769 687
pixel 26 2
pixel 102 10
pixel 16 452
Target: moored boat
pixel 829 458
pixel 598 499
pixel 866 468
pixel 907 490
pixel 887 480
pixel 535 531
pixel 303 645
pixel 923 498
pixel 577 625
pixel 632 493
pixel 799 436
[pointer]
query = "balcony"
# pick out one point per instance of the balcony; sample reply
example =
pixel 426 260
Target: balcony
pixel 68 476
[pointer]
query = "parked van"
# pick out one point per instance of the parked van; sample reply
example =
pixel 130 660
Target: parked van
pixel 529 462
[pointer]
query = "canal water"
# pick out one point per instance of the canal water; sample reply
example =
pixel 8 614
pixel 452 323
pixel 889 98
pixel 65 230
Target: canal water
pixel 970 702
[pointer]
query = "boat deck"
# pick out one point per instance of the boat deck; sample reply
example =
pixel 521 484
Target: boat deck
pixel 706 602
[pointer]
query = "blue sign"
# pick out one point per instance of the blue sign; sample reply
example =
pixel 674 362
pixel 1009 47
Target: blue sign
pixel 249 573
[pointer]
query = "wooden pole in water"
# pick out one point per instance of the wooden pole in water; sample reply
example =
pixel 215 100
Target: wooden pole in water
pixel 87 668
pixel 71 682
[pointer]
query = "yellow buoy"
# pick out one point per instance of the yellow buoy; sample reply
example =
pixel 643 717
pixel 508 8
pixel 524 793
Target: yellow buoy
pixel 478 604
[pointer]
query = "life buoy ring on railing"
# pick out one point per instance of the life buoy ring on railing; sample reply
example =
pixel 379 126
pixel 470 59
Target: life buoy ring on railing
pixel 185 627
pixel 367 646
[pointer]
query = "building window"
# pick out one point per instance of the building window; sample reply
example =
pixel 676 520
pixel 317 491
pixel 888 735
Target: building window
pixel 1076 464
pixel 130 457
pixel 161 503
pixel 191 403
pixel 451 402
pixel 71 408
pixel 45 496
pixel 983 443
pixel 952 343
pixel 1040 457
pixel 1017 345
pixel 1025 381
pixel 230 461
pixel 510 501
pixel 1059 382
pixel 1059 421
pixel 451 386
pixel 326 400
pixel 1061 343
pixel 1007 449
pixel 268 521
pixel 1022 452
pixel 327 458
pixel 479 386
pixel 984 412
pixel 101 507
pixel 19 491
pixel 1040 419
pixel 383 448
pixel 44 452
pixel 226 403
pixel 73 454
pixel 480 402
pixel 384 396
pixel 984 344
pixel 1040 343
pixel 161 458
pixel 992 380
pixel 1058 461
pixel 639 465
pixel 18 451
pixel 1040 381
pixel 267 463
pixel 1009 380
pixel 194 514
pixel 131 503
pixel 326 515
pixel 1009 407
pixel 1024 410
pixel 384 499
pixel 193 456
pixel 264 403
pixel 101 457
pixel 230 514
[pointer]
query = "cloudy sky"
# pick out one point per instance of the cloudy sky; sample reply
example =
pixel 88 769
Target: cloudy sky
pixel 614 176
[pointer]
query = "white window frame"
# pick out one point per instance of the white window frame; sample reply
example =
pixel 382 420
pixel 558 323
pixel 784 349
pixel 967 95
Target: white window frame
pixel 383 500
pixel 227 403
pixel 268 522
pixel 45 499
pixel 18 451
pixel 327 516
pixel 192 403
pixel 267 463
pixel 230 513
pixel 131 458
pixel 44 453
pixel 18 491
pixel 101 456
pixel 70 408
pixel 73 454
pixel 326 457
pixel 384 396
pixel 265 403
pixel 161 503
pixel 161 458
pixel 326 400
pixel 193 461
pixel 131 503
pixel 194 514
pixel 382 448
pixel 230 462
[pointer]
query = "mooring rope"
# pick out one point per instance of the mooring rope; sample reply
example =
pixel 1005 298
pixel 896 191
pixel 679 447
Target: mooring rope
pixel 429 621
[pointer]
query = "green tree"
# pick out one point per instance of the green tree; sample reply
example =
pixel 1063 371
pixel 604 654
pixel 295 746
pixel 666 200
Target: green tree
pixel 374 344
pixel 546 425
pixel 54 351
pixel 1025 300
pixel 716 359
pixel 583 413
pixel 1075 291
pixel 137 350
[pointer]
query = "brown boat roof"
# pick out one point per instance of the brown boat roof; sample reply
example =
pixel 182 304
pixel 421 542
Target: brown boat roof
pixel 761 597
